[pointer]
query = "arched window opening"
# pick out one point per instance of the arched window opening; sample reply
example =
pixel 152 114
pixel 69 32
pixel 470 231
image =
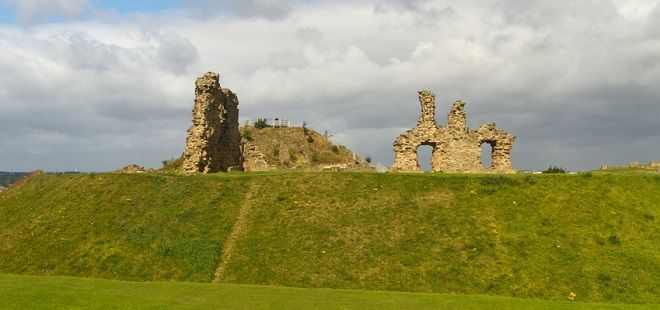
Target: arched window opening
pixel 424 157
pixel 487 155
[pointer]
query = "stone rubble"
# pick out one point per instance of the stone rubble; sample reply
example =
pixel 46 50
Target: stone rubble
pixel 132 168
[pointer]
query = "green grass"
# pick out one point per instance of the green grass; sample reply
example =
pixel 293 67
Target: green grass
pixel 30 292
pixel 626 170
pixel 133 227
pixel 526 236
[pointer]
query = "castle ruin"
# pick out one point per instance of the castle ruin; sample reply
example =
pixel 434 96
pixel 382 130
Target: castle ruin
pixel 455 147
pixel 214 142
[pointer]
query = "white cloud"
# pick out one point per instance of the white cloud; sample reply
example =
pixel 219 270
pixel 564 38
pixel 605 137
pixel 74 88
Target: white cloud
pixel 567 78
pixel 30 11
pixel 635 9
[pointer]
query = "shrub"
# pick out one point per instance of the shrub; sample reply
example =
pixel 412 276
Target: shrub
pixel 304 127
pixel 368 159
pixel 335 149
pixel 247 134
pixel 310 139
pixel 261 123
pixel 555 169
pixel 172 164
pixel 293 154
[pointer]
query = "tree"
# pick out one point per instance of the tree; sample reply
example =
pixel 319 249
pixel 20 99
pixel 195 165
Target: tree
pixel 261 123
pixel 555 169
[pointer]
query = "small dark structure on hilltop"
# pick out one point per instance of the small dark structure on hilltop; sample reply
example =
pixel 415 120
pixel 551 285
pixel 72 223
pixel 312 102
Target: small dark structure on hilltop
pixel 214 141
pixel 455 148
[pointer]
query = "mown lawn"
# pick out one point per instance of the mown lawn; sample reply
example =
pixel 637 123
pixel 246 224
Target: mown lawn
pixel 32 292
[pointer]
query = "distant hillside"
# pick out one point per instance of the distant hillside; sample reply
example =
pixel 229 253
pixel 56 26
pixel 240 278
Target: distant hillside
pixel 8 178
pixel 529 236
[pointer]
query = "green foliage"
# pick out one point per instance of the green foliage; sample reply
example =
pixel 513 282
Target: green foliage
pixel 310 139
pixel 529 236
pixel 294 154
pixel 555 169
pixel 368 159
pixel 315 158
pixel 172 164
pixel 335 149
pixel 247 134
pixel 261 123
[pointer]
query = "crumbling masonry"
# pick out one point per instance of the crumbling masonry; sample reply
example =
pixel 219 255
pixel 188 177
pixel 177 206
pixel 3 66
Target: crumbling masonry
pixel 455 148
pixel 214 142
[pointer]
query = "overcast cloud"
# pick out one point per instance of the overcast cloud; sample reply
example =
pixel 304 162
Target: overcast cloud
pixel 576 81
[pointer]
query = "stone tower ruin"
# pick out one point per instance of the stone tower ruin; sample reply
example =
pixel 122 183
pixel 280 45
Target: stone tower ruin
pixel 455 147
pixel 214 142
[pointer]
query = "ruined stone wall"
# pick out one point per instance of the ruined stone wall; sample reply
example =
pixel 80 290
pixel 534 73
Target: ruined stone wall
pixel 213 142
pixel 425 133
pixel 455 147
pixel 254 159
pixel 427 102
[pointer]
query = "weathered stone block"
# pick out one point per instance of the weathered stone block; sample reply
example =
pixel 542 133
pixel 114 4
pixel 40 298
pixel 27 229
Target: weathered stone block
pixel 214 142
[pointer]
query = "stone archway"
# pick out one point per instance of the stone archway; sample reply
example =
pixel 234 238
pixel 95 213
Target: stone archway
pixel 425 160
pixel 491 147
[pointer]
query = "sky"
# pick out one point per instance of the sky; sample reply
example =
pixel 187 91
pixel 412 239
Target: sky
pixel 93 85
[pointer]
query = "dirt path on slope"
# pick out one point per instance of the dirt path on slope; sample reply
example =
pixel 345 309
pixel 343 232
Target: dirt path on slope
pixel 236 231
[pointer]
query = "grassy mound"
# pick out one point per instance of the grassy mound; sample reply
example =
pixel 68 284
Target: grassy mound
pixel 134 227
pixel 535 236
pixel 296 147
pixel 289 148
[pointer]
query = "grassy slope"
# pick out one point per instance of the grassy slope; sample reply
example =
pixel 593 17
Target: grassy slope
pixel 28 292
pixel 537 236
pixel 137 227
pixel 294 140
